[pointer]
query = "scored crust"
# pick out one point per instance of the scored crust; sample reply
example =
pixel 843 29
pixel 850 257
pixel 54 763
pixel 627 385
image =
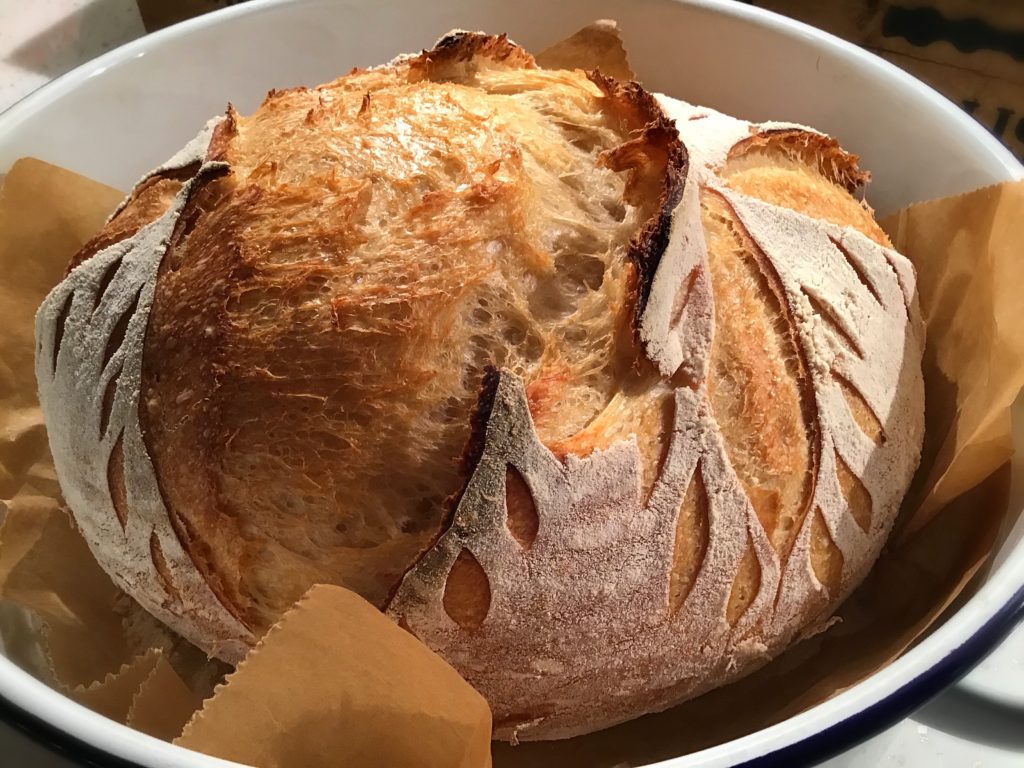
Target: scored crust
pixel 610 594
pixel 90 333
pixel 677 357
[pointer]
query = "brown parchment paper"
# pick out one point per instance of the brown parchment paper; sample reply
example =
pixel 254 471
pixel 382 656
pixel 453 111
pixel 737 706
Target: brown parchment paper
pixel 963 248
pixel 359 691
pixel 970 262
pixel 46 566
pixel 162 703
pixel 113 695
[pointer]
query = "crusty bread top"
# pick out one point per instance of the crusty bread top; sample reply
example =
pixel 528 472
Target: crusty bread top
pixel 675 355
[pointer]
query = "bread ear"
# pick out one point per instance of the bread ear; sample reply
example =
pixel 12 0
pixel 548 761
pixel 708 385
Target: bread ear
pixel 458 54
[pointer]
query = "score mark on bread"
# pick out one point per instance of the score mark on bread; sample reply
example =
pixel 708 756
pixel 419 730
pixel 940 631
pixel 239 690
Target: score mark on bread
pixel 703 409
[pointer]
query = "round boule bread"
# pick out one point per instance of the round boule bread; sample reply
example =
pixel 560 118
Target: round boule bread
pixel 605 397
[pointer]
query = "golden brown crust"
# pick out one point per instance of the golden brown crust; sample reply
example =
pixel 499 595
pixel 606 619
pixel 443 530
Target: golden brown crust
pixel 805 171
pixel 454 256
pixel 227 129
pixel 208 453
pixel 469 48
pixel 832 161
pixel 758 387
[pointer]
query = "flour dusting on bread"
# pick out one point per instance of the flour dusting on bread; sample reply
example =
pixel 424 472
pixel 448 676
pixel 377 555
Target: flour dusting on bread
pixel 606 397
pixel 90 332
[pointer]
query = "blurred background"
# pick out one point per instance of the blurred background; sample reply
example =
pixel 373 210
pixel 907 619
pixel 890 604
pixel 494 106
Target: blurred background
pixel 970 50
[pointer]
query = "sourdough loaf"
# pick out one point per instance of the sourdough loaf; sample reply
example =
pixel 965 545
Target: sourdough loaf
pixel 605 397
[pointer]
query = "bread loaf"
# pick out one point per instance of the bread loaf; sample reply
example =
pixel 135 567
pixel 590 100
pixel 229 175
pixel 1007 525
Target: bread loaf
pixel 605 397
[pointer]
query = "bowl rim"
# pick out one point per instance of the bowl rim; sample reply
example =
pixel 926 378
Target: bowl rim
pixel 69 729
pixel 820 745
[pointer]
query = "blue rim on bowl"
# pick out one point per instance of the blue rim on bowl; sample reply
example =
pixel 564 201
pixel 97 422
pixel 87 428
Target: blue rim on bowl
pixel 901 703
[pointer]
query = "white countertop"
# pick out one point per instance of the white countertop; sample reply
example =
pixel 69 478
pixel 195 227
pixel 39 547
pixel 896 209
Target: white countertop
pixel 978 724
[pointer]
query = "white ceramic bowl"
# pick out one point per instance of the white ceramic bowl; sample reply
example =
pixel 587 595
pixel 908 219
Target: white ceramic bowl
pixel 120 115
